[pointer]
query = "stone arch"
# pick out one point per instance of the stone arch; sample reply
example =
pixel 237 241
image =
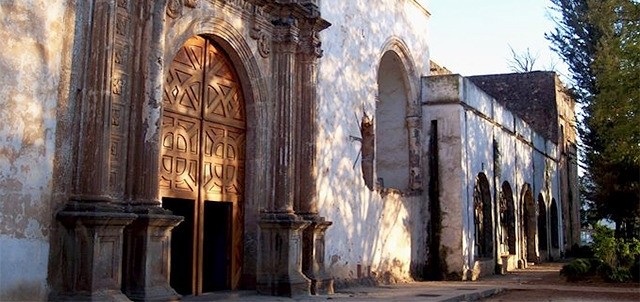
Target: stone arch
pixel 392 141
pixel 528 225
pixel 397 46
pixel 483 221
pixel 508 218
pixel 542 224
pixel 396 121
pixel 256 93
pixel 553 217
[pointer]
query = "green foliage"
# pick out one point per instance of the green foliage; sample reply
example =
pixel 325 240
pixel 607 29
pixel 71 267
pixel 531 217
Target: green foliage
pixel 614 259
pixel 576 270
pixel 604 245
pixel 600 42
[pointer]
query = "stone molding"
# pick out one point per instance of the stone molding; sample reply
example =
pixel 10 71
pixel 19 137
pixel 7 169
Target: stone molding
pixel 92 253
pixel 120 100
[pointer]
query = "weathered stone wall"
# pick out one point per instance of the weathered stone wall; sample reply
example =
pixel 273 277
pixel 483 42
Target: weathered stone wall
pixel 449 178
pixel 492 141
pixel 378 231
pixel 35 38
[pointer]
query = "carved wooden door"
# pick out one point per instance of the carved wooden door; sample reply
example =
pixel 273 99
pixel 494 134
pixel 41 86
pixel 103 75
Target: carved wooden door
pixel 203 146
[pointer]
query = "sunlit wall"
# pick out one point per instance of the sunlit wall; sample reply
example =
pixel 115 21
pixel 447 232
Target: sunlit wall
pixel 32 54
pixel 372 230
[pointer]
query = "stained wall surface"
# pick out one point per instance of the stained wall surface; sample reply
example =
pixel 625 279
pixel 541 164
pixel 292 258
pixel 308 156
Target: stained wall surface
pixel 487 139
pixel 373 232
pixel 32 54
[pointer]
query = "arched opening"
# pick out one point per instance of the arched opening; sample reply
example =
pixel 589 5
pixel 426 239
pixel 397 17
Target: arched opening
pixel 391 134
pixel 555 240
pixel 482 217
pixel 202 166
pixel 542 224
pixel 528 219
pixel 508 218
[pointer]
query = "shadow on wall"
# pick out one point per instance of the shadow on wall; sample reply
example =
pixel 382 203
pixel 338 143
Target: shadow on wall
pixel 371 234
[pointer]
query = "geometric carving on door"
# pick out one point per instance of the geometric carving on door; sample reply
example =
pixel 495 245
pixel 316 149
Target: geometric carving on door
pixel 183 83
pixel 203 145
pixel 223 98
pixel 180 156
pixel 223 161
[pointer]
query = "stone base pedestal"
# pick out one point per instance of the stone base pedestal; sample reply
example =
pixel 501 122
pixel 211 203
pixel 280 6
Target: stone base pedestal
pixel 313 255
pixel 92 252
pixel 147 255
pixel 280 256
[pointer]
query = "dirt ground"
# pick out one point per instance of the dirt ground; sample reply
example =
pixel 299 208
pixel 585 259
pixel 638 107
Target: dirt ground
pixel 543 283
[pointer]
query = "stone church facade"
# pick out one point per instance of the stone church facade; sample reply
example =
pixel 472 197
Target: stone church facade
pixel 158 148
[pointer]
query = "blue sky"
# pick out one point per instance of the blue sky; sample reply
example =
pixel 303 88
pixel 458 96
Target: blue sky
pixel 473 36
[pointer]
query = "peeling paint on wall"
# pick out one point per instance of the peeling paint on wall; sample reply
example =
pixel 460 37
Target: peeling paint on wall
pixel 31 54
pixel 370 229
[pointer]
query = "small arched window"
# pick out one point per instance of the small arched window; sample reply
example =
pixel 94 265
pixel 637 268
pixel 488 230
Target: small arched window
pixel 482 217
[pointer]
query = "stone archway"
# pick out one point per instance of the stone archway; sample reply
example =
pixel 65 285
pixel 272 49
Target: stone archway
pixel 482 217
pixel 202 166
pixel 391 135
pixel 543 245
pixel 508 218
pixel 528 230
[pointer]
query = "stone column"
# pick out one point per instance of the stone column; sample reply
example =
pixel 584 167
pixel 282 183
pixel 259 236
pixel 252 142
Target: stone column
pixel 91 256
pixel 279 259
pixel 147 246
pixel 307 195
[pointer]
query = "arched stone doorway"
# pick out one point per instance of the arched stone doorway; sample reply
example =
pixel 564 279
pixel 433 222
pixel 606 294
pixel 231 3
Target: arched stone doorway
pixel 202 167
pixel 391 134
pixel 482 217
pixel 542 228
pixel 508 219
pixel 528 231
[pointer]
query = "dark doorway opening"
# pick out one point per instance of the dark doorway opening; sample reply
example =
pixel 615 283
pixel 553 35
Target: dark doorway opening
pixel 216 258
pixel 182 245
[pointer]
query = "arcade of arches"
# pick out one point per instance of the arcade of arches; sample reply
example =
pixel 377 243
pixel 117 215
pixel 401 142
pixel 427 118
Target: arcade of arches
pixel 168 148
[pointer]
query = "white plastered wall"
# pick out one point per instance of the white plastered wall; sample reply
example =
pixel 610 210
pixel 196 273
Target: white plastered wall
pixel 370 231
pixel 32 56
pixel 525 158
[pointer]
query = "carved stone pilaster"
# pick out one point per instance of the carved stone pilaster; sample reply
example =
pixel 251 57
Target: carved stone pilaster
pixel 313 253
pixel 279 262
pixel 284 84
pixel 306 198
pixel 147 255
pixel 280 240
pixel 92 252
pixel 100 83
pixel 147 240
pixel 91 255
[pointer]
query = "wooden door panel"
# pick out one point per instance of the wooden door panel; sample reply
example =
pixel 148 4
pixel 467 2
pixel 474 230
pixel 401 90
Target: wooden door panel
pixel 179 168
pixel 184 80
pixel 223 96
pixel 223 162
pixel 203 154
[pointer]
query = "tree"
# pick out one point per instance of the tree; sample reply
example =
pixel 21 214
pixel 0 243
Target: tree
pixel 600 42
pixel 522 61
